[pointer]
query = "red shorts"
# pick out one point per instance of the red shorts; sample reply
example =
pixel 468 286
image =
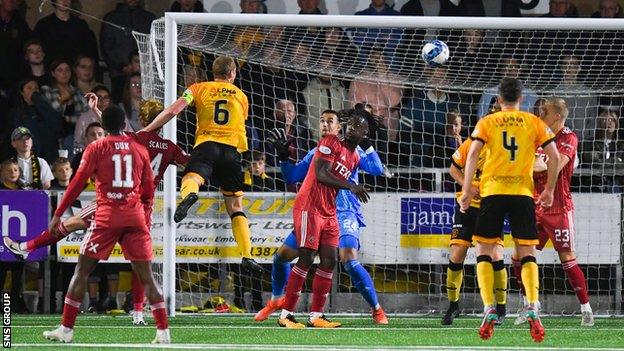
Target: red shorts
pixel 88 213
pixel 312 229
pixel 134 238
pixel 558 228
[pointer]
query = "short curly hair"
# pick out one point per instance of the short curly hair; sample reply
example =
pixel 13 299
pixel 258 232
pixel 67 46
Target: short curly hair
pixel 148 110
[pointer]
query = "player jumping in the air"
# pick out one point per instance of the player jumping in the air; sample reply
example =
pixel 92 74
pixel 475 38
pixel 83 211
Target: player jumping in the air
pixel 124 186
pixel 506 189
pixel 461 238
pixel 220 138
pixel 162 153
pixel 350 220
pixel 314 216
pixel 556 223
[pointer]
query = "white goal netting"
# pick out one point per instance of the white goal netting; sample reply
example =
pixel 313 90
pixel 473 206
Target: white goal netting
pixel 409 217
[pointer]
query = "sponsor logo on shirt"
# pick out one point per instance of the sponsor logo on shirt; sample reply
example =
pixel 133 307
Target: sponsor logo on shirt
pixel 324 150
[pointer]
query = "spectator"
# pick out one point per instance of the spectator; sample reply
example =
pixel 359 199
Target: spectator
pixel 424 116
pixel 342 51
pixel 609 9
pixel 606 146
pixel 583 108
pixel 412 8
pixel 255 177
pixel 605 153
pixel 84 74
pixel 9 176
pixel 511 69
pixel 385 39
pixel 65 99
pixel 94 131
pixel 13 32
pixel 35 113
pixel 511 8
pixel 462 8
pixel 450 141
pixel 373 88
pixel 35 171
pixel 92 115
pixel 65 36
pixel 309 7
pixel 252 6
pixel 286 117
pixel 35 65
pixel 62 171
pixel 187 6
pixel 539 109
pixel 561 8
pixel 131 101
pixel 323 93
pixel 117 44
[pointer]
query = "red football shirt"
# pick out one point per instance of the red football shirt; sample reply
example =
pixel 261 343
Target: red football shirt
pixel 567 144
pixel 320 198
pixel 124 183
pixel 162 153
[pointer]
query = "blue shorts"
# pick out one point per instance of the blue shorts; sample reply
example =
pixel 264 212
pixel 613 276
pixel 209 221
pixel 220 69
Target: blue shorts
pixel 349 227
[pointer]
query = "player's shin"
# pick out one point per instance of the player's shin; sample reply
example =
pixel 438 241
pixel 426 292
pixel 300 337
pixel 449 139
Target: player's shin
pixel 454 279
pixel 241 232
pixel 576 278
pixel 485 279
pixel 321 285
pixel 138 293
pixel 500 282
pixel 517 272
pixel 362 282
pixel 530 279
pixel 190 184
pixel 293 288
pixel 280 270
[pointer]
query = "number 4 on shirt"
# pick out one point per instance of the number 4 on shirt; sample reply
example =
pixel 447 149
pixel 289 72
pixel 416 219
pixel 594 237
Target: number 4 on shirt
pixel 510 145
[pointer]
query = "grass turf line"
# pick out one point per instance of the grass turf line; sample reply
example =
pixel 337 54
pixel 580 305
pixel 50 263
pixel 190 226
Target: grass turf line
pixel 561 332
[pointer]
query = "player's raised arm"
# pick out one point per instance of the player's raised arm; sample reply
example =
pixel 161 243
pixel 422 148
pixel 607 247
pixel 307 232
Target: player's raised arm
pixel 171 111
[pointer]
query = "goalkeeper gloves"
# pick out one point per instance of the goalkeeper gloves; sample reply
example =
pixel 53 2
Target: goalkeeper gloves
pixel 277 138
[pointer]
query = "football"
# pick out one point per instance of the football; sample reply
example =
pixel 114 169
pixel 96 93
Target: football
pixel 435 53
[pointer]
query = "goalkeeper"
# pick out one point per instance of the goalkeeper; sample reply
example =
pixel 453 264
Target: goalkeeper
pixel 349 217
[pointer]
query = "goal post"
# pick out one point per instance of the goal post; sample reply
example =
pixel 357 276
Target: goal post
pixel 406 254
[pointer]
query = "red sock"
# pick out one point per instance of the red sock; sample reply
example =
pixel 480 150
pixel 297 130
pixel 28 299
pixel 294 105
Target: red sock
pixel 44 239
pixel 138 292
pixel 576 278
pixel 517 271
pixel 321 285
pixel 293 287
pixel 160 314
pixel 70 311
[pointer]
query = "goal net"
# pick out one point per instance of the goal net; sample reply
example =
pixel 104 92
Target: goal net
pixel 294 67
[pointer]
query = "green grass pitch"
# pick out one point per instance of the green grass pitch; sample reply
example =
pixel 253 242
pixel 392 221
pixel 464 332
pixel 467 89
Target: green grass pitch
pixel 240 332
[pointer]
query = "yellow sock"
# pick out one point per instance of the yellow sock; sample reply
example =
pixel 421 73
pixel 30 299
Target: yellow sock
pixel 530 278
pixel 454 279
pixel 190 184
pixel 242 234
pixel 500 282
pixel 485 278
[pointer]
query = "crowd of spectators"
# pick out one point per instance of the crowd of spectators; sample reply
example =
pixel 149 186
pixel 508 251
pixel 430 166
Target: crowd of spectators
pixel 46 71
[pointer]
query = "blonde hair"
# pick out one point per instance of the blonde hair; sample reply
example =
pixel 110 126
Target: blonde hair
pixel 559 106
pixel 222 66
pixel 453 115
pixel 148 110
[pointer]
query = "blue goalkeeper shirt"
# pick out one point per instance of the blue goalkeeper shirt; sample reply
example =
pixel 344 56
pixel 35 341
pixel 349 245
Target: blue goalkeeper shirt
pixel 346 201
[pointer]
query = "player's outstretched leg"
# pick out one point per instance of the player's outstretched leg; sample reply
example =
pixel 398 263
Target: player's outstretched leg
pixel 138 295
pixel 321 285
pixel 143 270
pixel 45 238
pixel 73 299
pixel 241 232
pixel 280 271
pixel 364 284
pixel 190 187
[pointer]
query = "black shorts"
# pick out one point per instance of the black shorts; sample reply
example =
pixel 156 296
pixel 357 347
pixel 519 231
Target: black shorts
pixel 464 226
pixel 222 161
pixel 521 212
